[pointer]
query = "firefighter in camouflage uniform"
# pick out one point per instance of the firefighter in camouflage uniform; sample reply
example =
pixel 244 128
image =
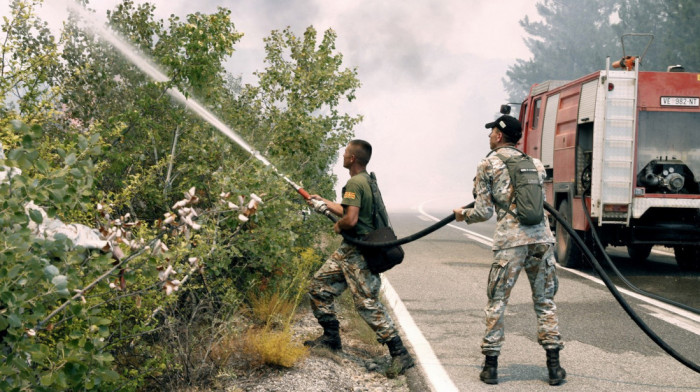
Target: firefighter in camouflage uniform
pixel 347 268
pixel 516 247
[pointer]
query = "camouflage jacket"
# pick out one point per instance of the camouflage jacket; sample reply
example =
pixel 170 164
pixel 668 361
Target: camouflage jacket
pixel 493 181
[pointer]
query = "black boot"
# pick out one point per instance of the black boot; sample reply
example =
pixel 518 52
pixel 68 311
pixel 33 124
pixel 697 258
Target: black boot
pixel 557 374
pixel 330 338
pixel 489 374
pixel 400 358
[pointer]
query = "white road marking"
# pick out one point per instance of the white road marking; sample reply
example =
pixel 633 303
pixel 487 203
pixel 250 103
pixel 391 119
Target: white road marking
pixel 680 317
pixel 437 376
pixel 468 233
pixel 673 319
pixel 670 308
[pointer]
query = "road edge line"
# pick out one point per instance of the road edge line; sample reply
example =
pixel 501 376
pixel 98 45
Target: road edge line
pixel 437 377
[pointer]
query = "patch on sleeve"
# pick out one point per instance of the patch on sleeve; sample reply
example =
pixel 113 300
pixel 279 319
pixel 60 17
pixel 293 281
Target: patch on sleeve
pixel 349 195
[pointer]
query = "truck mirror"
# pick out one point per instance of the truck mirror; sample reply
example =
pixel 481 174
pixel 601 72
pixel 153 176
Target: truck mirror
pixel 505 109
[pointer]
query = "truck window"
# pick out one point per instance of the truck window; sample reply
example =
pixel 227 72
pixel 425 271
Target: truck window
pixel 536 113
pixel 523 111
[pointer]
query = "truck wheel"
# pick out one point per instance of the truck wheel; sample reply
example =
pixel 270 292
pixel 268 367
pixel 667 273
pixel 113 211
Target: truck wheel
pixel 567 252
pixel 639 252
pixel 687 257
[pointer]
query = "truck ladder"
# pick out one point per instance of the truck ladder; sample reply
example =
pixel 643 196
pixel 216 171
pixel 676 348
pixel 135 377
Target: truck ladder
pixel 618 177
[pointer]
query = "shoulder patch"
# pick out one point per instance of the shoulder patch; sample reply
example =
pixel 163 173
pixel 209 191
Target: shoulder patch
pixel 349 195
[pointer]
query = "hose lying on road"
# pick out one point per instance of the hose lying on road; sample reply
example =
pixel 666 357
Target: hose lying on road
pixel 619 274
pixel 613 290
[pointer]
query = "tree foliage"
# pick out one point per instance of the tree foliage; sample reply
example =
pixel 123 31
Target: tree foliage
pixel 28 61
pixel 114 148
pixel 573 38
pixel 299 92
pixel 675 29
pixel 36 275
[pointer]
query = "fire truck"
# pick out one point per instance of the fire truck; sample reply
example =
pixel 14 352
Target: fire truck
pixel 627 142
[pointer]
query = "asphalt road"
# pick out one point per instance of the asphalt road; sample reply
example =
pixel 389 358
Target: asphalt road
pixel 442 283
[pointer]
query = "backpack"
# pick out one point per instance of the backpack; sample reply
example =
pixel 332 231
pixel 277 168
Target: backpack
pixel 385 258
pixel 527 190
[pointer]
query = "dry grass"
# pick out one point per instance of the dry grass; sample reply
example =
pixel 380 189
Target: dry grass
pixel 221 353
pixel 270 347
pixel 271 310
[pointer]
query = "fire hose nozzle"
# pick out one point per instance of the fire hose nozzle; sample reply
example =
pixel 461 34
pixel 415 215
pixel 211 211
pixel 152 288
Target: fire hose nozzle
pixel 320 206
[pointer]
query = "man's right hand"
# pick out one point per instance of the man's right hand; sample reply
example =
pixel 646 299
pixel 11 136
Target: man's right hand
pixel 459 214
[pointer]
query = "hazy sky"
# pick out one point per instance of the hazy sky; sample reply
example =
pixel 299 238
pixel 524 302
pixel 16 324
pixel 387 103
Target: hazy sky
pixel 430 71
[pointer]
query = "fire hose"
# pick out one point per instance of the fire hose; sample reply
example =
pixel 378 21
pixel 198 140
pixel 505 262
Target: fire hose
pixel 579 242
pixel 320 207
pixel 629 284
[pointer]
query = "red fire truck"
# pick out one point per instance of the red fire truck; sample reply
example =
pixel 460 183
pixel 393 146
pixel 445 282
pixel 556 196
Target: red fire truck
pixel 628 142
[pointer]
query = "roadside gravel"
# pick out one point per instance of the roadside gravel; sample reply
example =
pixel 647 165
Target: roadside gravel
pixel 359 367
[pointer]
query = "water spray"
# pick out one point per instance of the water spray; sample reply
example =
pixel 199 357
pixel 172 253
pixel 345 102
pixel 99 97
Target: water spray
pixel 152 70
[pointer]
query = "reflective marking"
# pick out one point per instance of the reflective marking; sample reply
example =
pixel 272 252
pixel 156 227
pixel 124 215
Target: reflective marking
pixel 680 312
pixel 472 235
pixel 688 325
pixel 437 376
pixel 663 251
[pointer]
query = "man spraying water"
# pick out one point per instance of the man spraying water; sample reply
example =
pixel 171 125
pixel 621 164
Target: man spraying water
pixel 347 268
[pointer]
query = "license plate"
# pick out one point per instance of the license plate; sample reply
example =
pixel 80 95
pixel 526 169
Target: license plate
pixel 680 101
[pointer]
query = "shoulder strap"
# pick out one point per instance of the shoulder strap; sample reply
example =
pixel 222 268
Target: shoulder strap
pixel 498 148
pixel 503 207
pixel 370 180
pixel 379 214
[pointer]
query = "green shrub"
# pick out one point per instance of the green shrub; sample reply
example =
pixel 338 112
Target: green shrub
pixel 114 138
pixel 68 351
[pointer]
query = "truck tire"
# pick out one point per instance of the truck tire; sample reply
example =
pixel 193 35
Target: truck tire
pixel 567 252
pixel 639 252
pixel 687 257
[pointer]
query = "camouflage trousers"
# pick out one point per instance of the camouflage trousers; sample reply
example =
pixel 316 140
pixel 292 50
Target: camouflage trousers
pixel 538 262
pixel 346 268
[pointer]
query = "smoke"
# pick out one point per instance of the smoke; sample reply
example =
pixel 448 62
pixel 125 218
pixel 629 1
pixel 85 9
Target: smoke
pixel 430 72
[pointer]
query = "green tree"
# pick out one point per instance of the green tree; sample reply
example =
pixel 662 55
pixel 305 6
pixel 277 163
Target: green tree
pixel 28 62
pixel 138 120
pixel 572 40
pixel 37 274
pixel 297 105
pixel 674 26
